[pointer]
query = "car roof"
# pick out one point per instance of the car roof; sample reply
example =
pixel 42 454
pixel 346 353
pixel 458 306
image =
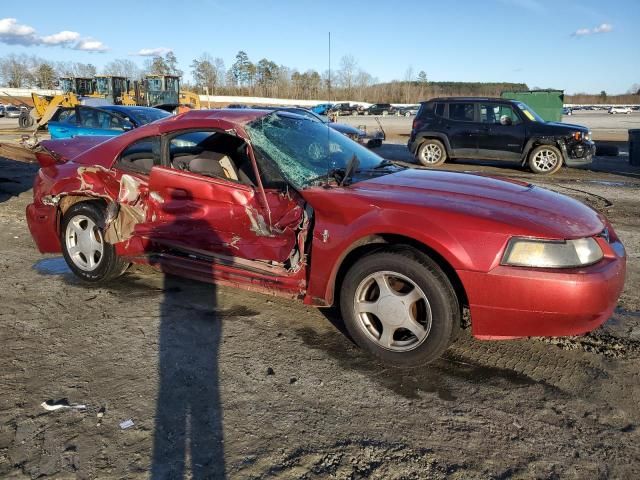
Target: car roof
pixel 470 99
pixel 126 109
pixel 236 116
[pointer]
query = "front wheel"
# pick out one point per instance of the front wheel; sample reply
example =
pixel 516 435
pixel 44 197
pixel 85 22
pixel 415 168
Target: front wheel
pixel 431 153
pixel 400 306
pixel 84 248
pixel 545 160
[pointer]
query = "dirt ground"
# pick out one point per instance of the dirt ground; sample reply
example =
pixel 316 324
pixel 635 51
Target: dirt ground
pixel 219 382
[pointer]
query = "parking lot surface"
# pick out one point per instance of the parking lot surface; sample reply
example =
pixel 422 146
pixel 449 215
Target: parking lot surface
pixel 267 388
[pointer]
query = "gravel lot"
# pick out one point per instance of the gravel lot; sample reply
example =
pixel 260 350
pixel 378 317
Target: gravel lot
pixel 266 388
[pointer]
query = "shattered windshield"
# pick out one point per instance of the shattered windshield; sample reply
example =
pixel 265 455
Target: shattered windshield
pixel 305 150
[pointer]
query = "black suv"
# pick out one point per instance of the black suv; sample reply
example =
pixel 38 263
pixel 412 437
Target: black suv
pixel 344 109
pixel 496 129
pixel 380 109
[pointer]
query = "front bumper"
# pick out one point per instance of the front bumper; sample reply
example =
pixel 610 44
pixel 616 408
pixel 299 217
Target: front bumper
pixel 580 153
pixel 511 302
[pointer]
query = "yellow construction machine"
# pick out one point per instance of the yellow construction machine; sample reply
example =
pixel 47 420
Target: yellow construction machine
pixel 161 91
pixel 190 100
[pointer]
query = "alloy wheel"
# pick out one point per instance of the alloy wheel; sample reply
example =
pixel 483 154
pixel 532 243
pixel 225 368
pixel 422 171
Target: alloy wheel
pixel 84 243
pixel 546 160
pixel 392 311
pixel 431 153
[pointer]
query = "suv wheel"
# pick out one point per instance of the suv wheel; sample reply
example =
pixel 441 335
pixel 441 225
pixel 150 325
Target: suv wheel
pixel 545 159
pixel 431 153
pixel 400 306
pixel 385 113
pixel 86 252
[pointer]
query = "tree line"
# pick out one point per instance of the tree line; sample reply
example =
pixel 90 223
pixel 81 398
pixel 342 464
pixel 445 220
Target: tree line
pixel 266 78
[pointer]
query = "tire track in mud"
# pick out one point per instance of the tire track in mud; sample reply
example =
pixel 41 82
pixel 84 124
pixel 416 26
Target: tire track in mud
pixel 354 459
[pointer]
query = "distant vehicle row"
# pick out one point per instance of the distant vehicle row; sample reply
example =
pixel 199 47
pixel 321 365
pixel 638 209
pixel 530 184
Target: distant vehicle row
pixel 345 109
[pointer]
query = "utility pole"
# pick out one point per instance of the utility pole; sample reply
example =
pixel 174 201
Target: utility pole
pixel 329 80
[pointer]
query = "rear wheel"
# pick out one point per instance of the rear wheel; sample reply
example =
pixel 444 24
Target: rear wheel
pixel 545 159
pixel 84 248
pixel 385 113
pixel 407 114
pixel 431 153
pixel 400 306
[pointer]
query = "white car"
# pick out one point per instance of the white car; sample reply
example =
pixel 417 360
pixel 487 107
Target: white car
pixel 613 110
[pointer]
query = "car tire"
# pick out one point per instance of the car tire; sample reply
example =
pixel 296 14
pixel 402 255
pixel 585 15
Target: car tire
pixel 417 295
pixel 365 113
pixel 25 120
pixel 385 113
pixel 86 252
pixel 431 153
pixel 407 114
pixel 545 160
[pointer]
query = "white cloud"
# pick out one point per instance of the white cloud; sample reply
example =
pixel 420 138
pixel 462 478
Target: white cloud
pixel 152 52
pixel 582 31
pixel 14 33
pixel 60 38
pixel 602 28
pixel 88 45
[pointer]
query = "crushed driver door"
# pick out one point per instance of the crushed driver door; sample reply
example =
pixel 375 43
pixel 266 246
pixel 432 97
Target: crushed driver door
pixel 215 216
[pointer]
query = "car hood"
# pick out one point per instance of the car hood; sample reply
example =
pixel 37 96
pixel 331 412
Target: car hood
pixel 344 129
pixel 569 127
pixel 521 208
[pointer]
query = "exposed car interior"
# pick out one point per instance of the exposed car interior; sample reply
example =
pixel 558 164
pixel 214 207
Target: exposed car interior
pixel 213 154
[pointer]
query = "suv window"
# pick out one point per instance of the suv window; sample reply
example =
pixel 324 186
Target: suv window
pixel 494 113
pixel 461 112
pixel 439 110
pixel 141 155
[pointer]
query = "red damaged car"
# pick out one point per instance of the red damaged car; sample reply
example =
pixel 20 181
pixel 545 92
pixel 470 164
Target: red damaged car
pixel 275 203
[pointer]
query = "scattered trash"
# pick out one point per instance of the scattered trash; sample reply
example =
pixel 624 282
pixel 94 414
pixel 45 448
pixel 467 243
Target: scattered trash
pixel 52 405
pixel 126 424
pixel 100 415
pixel 270 371
pixel 292 380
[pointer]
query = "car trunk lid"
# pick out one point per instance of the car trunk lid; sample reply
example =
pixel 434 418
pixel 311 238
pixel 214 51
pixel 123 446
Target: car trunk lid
pixel 63 150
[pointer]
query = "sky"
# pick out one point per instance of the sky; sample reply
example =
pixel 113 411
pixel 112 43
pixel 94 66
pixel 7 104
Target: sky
pixel 574 45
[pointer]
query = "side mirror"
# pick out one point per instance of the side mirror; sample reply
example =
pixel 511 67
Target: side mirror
pixel 127 126
pixel 506 120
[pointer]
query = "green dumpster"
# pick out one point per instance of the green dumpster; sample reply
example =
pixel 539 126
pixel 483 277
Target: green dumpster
pixel 546 103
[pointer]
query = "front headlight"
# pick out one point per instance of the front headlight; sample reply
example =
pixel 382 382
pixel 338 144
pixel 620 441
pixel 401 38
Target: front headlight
pixel 525 252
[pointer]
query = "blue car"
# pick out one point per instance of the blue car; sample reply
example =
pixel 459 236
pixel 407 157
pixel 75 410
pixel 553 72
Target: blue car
pixel 109 120
pixel 322 109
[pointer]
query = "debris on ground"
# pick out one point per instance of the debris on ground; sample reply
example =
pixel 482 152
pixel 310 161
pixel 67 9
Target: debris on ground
pixel 52 405
pixel 126 424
